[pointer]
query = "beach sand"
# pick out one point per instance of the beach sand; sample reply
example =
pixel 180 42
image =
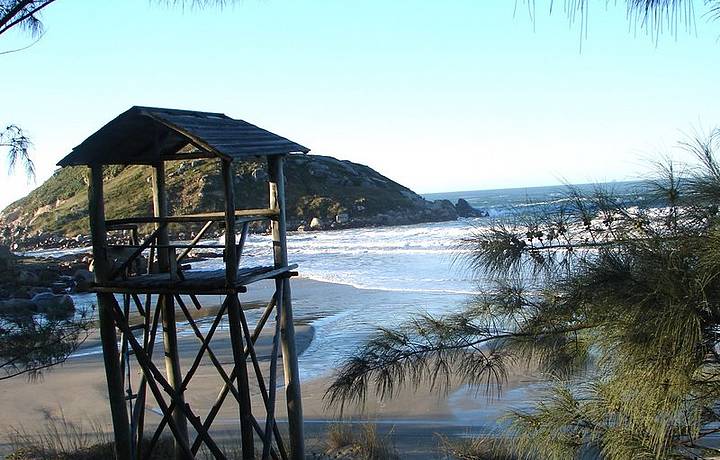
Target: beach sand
pixel 77 391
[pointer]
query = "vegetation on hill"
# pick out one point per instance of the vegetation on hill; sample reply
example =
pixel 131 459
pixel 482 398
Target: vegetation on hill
pixel 336 193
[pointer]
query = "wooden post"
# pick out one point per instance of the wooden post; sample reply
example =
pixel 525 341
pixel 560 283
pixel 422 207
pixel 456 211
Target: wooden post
pixel 108 334
pixel 289 353
pixel 167 305
pixel 236 334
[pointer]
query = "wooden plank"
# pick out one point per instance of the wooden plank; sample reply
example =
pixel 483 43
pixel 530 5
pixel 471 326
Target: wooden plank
pixel 170 291
pixel 169 246
pixel 234 313
pixel 138 417
pixel 276 273
pixel 241 244
pixel 138 251
pixel 258 214
pixel 192 137
pixel 108 335
pixel 195 241
pixel 167 305
pixel 195 282
pixel 276 184
pixel 187 156
pixel 272 385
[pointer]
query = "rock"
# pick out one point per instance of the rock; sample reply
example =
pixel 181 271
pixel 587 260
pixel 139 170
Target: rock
pixel 60 287
pixel 443 210
pixel 464 209
pixel 83 278
pixel 17 307
pixel 48 302
pixel 302 228
pixel 28 278
pixel 318 186
pixel 83 274
pixel 32 292
pixel 7 258
pixel 316 224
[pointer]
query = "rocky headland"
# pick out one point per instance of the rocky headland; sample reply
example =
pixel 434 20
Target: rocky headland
pixel 322 193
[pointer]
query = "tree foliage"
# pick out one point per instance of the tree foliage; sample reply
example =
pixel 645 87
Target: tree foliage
pixel 618 305
pixel 31 342
pixel 652 16
pixel 23 14
pixel 17 143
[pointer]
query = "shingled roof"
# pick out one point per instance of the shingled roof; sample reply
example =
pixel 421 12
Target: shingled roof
pixel 144 135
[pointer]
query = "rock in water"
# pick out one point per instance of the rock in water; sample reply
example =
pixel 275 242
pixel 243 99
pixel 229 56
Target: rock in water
pixel 444 209
pixel 465 210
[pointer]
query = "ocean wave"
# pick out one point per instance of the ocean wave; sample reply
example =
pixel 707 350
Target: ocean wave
pixel 383 285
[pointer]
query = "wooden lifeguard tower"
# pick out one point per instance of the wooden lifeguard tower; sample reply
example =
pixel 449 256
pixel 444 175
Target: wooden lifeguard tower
pixel 153 136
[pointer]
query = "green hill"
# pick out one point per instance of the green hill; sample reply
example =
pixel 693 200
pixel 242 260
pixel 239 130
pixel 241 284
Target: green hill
pixel 332 192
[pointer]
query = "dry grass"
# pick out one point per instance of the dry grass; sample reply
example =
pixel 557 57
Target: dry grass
pixel 339 436
pixel 374 446
pixel 366 443
pixel 61 438
pixel 477 448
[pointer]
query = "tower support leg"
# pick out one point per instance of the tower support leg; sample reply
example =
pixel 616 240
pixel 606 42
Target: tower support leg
pixel 234 320
pixel 108 334
pixel 166 304
pixel 287 329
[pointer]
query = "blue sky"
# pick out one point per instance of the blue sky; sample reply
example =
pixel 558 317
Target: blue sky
pixel 438 95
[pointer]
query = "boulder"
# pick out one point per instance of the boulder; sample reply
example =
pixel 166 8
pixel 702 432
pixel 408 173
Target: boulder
pixel 7 258
pixel 465 210
pixel 17 308
pixel 83 274
pixel 32 292
pixel 342 218
pixel 28 278
pixel 61 287
pixel 443 210
pixel 48 303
